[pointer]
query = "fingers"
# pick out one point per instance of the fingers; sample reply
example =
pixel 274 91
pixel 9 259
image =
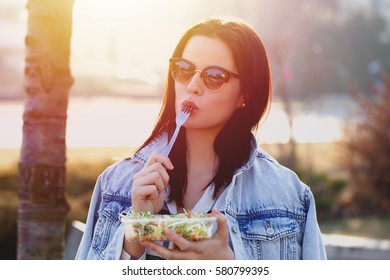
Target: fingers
pixel 154 172
pixel 148 192
pixel 222 229
pixel 214 248
pixel 165 161
pixel 222 236
pixel 153 178
pixel 169 254
pixel 183 249
pixel 181 243
pixel 150 182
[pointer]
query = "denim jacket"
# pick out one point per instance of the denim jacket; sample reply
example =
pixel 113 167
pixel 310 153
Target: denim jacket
pixel 271 213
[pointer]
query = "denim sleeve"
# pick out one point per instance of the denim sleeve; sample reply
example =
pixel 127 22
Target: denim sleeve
pixel 312 247
pixel 83 252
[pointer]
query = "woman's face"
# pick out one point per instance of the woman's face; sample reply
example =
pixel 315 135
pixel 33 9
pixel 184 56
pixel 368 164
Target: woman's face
pixel 213 108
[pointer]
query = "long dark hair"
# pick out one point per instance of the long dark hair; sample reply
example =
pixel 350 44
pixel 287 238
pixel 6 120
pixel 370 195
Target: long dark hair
pixel 233 143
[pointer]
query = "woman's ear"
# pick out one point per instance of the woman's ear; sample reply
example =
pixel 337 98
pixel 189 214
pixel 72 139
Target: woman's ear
pixel 241 103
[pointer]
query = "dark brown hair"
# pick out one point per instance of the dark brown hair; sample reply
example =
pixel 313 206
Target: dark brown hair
pixel 233 143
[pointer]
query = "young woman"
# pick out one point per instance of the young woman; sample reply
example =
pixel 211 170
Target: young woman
pixel 219 68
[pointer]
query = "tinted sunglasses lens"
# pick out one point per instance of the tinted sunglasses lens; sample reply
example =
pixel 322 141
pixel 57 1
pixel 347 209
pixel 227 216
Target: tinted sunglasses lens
pixel 213 78
pixel 182 71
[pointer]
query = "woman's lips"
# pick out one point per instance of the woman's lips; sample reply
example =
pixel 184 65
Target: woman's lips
pixel 189 106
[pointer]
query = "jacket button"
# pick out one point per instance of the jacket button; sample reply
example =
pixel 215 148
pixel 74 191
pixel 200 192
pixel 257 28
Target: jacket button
pixel 270 231
pixel 235 228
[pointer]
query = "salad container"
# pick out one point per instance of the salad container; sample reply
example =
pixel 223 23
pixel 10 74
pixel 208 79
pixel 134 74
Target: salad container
pixel 145 226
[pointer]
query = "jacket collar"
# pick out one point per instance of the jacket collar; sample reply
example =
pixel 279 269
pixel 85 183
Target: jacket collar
pixel 155 146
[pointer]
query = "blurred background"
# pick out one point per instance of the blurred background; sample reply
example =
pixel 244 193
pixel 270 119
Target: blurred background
pixel 329 119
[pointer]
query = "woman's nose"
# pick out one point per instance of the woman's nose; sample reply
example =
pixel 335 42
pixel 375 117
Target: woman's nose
pixel 195 84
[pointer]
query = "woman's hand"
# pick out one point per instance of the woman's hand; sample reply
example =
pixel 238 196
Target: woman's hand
pixel 216 247
pixel 149 184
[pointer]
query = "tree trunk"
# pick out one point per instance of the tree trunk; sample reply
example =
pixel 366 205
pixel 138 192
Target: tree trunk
pixel 289 157
pixel 42 203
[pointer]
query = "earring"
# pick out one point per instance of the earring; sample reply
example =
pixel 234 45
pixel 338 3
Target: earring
pixel 243 104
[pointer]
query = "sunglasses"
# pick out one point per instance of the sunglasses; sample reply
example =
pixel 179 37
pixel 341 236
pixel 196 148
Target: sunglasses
pixel 213 77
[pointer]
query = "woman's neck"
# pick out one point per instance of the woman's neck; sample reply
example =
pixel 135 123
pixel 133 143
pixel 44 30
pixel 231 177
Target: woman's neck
pixel 202 165
pixel 201 156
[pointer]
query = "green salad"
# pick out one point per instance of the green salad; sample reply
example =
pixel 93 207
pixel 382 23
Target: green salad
pixel 146 226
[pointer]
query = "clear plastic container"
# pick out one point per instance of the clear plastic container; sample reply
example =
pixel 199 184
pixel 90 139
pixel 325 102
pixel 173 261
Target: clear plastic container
pixel 144 226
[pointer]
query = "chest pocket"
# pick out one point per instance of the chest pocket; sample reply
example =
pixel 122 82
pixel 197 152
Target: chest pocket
pixel 270 237
pixel 107 224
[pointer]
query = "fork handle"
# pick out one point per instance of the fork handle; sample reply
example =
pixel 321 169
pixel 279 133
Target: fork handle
pixel 172 141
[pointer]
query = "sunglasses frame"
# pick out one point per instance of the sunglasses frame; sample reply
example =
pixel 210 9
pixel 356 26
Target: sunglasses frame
pixel 203 74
